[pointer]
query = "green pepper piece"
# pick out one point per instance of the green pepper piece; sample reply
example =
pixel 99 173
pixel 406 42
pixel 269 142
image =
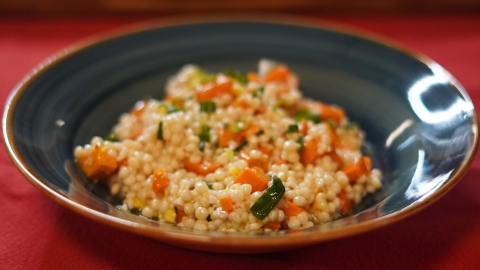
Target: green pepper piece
pixel 301 141
pixel 292 128
pixel 240 146
pixel 209 185
pixel 111 137
pixel 160 131
pixel 269 199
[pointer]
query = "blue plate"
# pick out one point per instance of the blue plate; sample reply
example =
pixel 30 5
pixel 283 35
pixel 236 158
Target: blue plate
pixel 421 125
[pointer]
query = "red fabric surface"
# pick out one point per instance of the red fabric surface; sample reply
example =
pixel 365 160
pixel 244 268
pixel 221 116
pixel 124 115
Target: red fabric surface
pixel 37 233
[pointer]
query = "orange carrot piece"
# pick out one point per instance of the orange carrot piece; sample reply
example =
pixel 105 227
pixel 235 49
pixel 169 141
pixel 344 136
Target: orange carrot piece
pixel 123 162
pixel 225 136
pixel 333 137
pixel 261 162
pixel 226 203
pixel 180 215
pixel 261 110
pixel 160 181
pixel 266 150
pixel 99 165
pixel 345 202
pixel 292 210
pixel 330 112
pixel 355 170
pixel 334 156
pixel 309 152
pixel 303 127
pixel 278 74
pixel 253 77
pixel 240 103
pixel 203 167
pixel 280 162
pixel 257 179
pixel 138 108
pixel 274 226
pixel 137 130
pixel 368 163
pixel 250 130
pixel 283 90
pixel 210 91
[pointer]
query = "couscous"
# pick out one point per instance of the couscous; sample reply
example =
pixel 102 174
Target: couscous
pixel 233 152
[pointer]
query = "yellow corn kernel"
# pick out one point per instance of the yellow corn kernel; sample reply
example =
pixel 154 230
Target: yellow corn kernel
pixel 162 109
pixel 170 215
pixel 166 192
pixel 138 203
pixel 234 171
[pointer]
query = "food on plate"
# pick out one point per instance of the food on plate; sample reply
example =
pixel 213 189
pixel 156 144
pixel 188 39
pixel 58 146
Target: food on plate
pixel 232 152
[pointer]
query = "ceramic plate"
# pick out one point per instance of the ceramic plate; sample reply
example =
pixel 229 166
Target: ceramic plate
pixel 420 123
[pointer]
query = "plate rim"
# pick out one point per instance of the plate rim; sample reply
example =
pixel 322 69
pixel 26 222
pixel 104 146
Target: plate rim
pixel 227 243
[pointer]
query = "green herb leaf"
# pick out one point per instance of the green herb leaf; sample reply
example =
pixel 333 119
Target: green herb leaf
pixel 209 185
pixel 111 137
pixel 301 141
pixel 204 136
pixel 237 76
pixel 240 146
pixel 307 115
pixel 292 128
pixel 174 109
pixel 208 106
pixel 269 199
pixel 160 131
pixel 314 117
pixel 234 127
pixel 258 92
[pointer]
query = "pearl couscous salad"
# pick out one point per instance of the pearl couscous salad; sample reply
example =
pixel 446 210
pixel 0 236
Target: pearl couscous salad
pixel 233 152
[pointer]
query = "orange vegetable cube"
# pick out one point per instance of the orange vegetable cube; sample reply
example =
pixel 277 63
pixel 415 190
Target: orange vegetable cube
pixel 240 103
pixel 99 165
pixel 253 77
pixel 160 181
pixel 203 167
pixel 266 150
pixel 368 163
pixel 257 179
pixel 309 152
pixel 334 156
pixel 210 91
pixel 345 202
pixel 250 130
pixel 330 112
pixel 280 162
pixel 225 136
pixel 291 210
pixel 180 215
pixel 274 226
pixel 355 170
pixel 278 74
pixel 138 108
pixel 303 127
pixel 261 162
pixel 226 204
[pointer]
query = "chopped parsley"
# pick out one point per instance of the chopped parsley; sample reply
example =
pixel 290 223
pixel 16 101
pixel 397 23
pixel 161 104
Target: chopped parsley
pixel 237 76
pixel 208 106
pixel 111 137
pixel 292 128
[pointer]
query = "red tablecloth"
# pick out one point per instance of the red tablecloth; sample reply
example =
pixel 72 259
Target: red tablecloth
pixel 37 233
